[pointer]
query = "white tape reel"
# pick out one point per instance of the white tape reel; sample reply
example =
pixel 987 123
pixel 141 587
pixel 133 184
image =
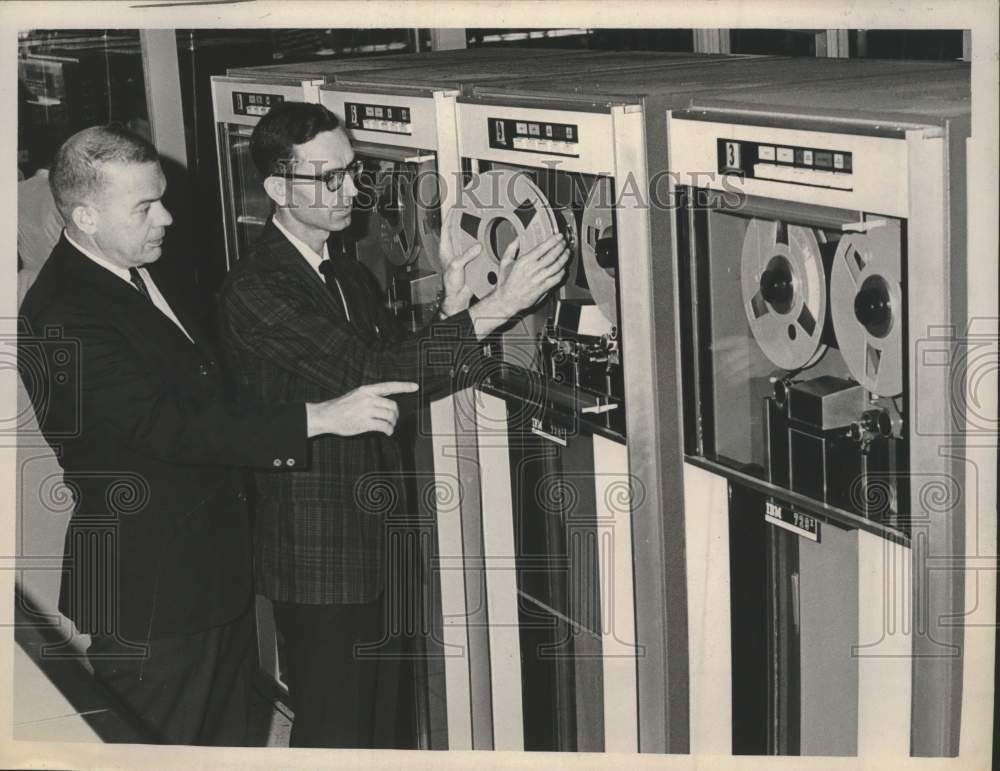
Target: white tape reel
pixel 396 219
pixel 597 224
pixel 496 207
pixel 784 292
pixel 428 215
pixel 866 304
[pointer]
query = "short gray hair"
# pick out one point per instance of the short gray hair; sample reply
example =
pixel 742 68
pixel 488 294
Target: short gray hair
pixel 77 174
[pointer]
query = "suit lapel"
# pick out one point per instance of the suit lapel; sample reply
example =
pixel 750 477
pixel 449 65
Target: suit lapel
pixel 290 258
pixel 181 309
pixel 358 296
pixel 114 297
pixel 358 292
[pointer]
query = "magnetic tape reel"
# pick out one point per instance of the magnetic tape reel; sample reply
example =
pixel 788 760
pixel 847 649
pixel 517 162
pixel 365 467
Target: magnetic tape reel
pixel 785 292
pixel 427 208
pixel 598 251
pixel 497 207
pixel 395 212
pixel 866 301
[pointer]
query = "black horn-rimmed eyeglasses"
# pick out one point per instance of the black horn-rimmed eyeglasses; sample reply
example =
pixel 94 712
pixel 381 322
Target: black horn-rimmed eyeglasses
pixel 333 179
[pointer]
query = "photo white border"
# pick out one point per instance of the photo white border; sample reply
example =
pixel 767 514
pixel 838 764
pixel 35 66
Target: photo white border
pixel 979 16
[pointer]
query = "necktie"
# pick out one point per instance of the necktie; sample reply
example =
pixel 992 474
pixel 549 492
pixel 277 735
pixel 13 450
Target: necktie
pixel 136 278
pixel 162 306
pixel 329 271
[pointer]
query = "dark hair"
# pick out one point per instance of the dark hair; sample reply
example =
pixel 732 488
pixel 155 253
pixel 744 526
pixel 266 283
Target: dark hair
pixel 286 125
pixel 77 172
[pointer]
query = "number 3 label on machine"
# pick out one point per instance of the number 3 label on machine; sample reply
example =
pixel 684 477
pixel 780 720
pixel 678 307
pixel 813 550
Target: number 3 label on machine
pixel 732 156
pixel 801 524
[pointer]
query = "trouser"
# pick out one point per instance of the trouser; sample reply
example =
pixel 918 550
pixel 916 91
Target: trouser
pixel 193 689
pixel 342 673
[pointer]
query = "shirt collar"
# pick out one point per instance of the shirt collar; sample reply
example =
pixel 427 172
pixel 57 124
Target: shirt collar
pixel 307 253
pixel 116 269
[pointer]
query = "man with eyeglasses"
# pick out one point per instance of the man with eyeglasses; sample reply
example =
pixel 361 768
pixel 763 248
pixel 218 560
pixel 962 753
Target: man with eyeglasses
pixel 127 390
pixel 301 321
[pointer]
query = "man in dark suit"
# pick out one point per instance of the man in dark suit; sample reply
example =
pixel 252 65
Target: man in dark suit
pixel 129 393
pixel 301 322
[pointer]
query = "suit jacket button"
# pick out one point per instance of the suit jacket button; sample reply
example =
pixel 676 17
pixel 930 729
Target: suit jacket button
pixel 290 462
pixel 277 462
pixel 202 369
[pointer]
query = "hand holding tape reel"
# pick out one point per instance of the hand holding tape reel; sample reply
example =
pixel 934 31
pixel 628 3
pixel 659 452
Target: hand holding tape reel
pixel 505 213
pixel 522 247
pixel 522 275
pixel 499 209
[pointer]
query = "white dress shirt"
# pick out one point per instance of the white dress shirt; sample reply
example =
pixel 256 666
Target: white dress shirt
pixel 154 294
pixel 313 259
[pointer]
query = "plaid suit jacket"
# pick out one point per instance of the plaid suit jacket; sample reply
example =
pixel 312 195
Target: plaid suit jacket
pixel 319 531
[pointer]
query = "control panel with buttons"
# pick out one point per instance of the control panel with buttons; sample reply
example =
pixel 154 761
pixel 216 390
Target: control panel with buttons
pixel 810 166
pixel 255 105
pixel 378 117
pixel 534 137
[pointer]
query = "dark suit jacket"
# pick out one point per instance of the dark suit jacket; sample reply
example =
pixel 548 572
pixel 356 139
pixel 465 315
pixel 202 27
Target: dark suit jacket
pixel 318 534
pixel 158 544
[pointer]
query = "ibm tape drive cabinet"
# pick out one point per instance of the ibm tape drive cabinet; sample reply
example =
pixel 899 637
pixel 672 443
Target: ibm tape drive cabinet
pixel 818 263
pixel 584 402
